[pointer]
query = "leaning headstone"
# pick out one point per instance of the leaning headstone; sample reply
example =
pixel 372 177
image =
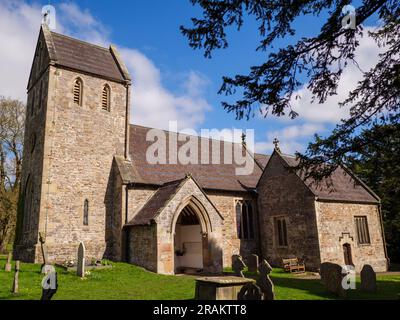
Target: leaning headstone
pixel 15 287
pixel 368 279
pixel 80 270
pixel 44 251
pixel 253 263
pixel 238 265
pixel 250 291
pixel 8 264
pixel 264 281
pixel 332 277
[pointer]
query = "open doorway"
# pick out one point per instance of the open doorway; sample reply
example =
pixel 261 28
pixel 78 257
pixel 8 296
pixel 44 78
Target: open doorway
pixel 188 242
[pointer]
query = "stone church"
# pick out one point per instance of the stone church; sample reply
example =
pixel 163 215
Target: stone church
pixel 86 179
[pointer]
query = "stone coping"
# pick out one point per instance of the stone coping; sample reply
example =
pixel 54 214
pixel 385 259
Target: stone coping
pixel 228 281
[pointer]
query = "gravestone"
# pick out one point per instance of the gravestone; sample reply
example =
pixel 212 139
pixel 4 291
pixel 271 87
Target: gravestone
pixel 15 287
pixel 368 279
pixel 8 264
pixel 264 281
pixel 332 277
pixel 238 265
pixel 80 270
pixel 250 291
pixel 253 263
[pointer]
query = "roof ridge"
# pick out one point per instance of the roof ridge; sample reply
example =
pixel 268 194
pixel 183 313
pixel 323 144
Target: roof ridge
pixel 190 135
pixel 81 41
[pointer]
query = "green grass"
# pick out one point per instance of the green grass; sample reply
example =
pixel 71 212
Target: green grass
pixel 128 282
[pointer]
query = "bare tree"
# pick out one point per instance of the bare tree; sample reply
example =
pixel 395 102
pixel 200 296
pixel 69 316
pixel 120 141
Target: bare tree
pixel 12 122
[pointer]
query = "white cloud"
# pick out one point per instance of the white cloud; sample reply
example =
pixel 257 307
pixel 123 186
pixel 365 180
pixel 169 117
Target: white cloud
pixel 152 104
pixel 291 138
pixel 314 117
pixel 155 106
pixel 367 56
pixel 19 25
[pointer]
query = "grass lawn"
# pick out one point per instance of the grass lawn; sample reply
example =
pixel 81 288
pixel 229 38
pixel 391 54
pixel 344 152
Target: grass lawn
pixel 128 282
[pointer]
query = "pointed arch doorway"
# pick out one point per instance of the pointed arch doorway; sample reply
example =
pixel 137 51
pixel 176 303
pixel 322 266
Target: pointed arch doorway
pixel 190 241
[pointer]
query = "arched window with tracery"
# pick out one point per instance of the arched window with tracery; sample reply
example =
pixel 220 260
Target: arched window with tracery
pixel 245 219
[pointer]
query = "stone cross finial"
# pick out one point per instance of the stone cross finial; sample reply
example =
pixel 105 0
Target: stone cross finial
pixel 276 144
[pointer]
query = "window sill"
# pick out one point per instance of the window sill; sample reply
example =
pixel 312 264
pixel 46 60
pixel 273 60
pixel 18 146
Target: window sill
pixel 364 244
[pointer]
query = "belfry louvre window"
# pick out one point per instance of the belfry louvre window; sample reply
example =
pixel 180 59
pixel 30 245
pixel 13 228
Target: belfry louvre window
pixel 105 98
pixel 281 232
pixel 78 90
pixel 362 230
pixel 245 219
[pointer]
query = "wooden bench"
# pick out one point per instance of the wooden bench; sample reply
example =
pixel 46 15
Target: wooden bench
pixel 293 265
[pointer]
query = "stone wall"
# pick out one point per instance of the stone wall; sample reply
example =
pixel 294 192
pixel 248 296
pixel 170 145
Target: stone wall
pixel 33 157
pixel 337 226
pixel 79 145
pixel 211 228
pixel 137 198
pixel 282 194
pixel 225 203
pixel 143 246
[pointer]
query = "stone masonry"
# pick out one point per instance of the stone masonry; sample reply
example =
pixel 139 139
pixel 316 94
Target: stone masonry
pixel 75 153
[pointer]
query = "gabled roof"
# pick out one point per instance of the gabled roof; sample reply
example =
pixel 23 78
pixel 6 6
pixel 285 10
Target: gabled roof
pixel 156 203
pixel 342 185
pixel 160 199
pixel 209 176
pixel 82 56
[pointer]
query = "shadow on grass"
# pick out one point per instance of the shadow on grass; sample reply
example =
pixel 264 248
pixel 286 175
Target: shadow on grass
pixel 289 287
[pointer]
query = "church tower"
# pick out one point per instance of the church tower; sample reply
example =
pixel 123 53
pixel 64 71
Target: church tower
pixel 77 121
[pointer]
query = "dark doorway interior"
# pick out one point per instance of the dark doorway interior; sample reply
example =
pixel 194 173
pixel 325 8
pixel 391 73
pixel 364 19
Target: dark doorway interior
pixel 348 260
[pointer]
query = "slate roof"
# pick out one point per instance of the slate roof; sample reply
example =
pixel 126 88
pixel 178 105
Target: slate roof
pixel 209 176
pixel 342 185
pixel 86 57
pixel 156 203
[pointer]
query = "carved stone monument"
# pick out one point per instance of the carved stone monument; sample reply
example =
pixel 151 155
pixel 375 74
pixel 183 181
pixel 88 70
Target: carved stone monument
pixel 80 270
pixel 332 277
pixel 253 263
pixel 368 279
pixel 250 291
pixel 264 281
pixel 238 265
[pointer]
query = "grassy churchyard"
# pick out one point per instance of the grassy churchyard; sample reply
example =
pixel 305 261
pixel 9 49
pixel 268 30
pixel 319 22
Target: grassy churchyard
pixel 128 282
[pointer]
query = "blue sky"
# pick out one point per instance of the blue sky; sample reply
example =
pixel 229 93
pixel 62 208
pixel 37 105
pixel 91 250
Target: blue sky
pixel 171 80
